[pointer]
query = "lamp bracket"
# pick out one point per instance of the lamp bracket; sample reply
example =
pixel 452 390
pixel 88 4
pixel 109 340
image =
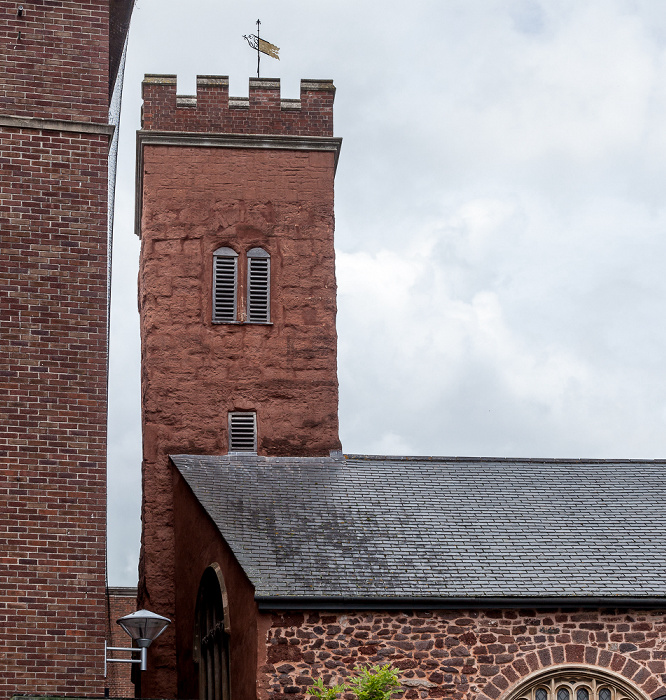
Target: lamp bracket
pixel 143 651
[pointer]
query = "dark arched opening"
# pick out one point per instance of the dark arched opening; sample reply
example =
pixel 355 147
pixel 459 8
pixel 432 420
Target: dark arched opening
pixel 211 636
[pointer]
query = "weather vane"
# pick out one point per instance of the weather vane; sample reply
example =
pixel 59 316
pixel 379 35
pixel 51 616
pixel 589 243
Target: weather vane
pixel 261 46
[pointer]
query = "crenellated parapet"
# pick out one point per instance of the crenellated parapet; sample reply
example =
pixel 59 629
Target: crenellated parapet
pixel 211 110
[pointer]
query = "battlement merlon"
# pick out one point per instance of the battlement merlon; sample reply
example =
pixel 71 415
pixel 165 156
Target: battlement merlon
pixel 212 110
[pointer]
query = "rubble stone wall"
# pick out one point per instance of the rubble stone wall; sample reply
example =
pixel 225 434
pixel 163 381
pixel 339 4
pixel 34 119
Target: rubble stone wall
pixel 462 654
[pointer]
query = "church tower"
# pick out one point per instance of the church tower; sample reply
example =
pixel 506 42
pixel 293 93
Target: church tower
pixel 237 294
pixel 58 65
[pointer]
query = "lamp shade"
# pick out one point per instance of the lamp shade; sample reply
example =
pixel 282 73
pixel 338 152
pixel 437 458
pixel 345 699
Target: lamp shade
pixel 144 624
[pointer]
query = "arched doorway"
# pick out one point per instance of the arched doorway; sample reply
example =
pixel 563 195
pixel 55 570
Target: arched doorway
pixel 211 636
pixel 574 682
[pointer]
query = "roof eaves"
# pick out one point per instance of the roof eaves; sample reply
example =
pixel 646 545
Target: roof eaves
pixel 276 603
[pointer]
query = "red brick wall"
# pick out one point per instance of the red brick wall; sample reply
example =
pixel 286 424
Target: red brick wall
pixel 53 192
pixel 263 113
pixel 195 200
pixel 53 407
pixel 59 67
pixel 461 654
pixel 122 601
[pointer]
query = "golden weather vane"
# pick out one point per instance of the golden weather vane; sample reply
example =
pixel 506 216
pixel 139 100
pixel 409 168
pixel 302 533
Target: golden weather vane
pixel 261 46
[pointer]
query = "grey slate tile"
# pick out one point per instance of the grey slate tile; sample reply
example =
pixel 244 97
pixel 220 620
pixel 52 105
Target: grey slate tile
pixel 367 526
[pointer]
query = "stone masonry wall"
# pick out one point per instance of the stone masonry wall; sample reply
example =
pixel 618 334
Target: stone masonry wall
pixel 196 371
pixel 197 199
pixel 460 655
pixel 213 111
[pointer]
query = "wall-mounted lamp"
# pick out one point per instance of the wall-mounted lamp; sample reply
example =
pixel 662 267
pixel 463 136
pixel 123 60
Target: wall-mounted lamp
pixel 20 10
pixel 144 627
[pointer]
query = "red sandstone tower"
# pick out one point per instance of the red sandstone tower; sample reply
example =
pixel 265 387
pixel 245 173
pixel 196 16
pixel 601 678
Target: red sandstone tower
pixel 54 144
pixel 237 294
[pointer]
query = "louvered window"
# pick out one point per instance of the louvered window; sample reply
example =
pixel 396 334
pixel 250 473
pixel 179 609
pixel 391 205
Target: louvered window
pixel 225 284
pixel 242 432
pixel 258 286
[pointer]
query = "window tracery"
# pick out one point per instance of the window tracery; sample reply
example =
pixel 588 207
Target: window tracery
pixel 575 683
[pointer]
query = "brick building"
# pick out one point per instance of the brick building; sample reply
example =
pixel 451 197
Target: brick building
pixel 121 601
pixel 58 66
pixel 279 558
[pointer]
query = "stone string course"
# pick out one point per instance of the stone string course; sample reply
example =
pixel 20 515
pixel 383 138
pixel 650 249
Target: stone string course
pixel 463 654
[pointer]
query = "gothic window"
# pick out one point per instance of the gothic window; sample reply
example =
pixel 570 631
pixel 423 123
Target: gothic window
pixel 258 286
pixel 211 643
pixel 225 285
pixel 575 683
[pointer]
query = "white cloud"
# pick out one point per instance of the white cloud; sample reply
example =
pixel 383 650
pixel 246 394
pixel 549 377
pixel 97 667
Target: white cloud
pixel 425 333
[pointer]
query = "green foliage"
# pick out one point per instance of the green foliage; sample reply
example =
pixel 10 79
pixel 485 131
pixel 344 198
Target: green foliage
pixel 374 683
pixel 319 690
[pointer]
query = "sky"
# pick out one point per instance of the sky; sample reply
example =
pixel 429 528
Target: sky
pixel 500 220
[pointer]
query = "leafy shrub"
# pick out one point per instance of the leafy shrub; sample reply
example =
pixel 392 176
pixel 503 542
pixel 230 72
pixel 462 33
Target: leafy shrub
pixel 374 683
pixel 319 690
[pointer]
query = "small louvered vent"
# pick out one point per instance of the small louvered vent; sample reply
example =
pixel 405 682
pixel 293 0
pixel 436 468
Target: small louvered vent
pixel 242 432
pixel 225 280
pixel 258 286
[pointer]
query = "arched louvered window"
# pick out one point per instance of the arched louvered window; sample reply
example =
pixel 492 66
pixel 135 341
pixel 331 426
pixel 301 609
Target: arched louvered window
pixel 242 431
pixel 575 683
pixel 211 640
pixel 258 286
pixel 225 285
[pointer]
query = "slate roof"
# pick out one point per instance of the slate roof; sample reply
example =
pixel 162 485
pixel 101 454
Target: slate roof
pixel 389 527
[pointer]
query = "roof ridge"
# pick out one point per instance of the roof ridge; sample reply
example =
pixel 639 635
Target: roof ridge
pixel 530 460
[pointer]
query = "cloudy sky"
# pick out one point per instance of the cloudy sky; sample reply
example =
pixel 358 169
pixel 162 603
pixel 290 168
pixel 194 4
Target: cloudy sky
pixel 500 220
